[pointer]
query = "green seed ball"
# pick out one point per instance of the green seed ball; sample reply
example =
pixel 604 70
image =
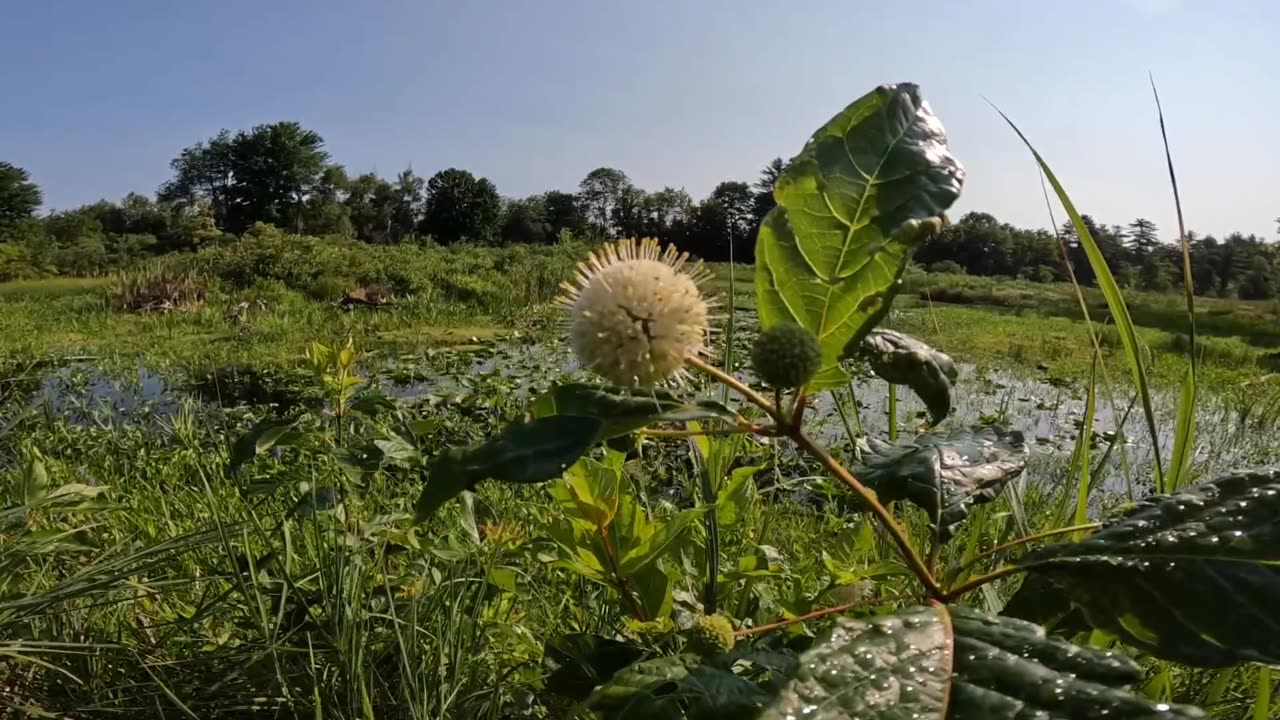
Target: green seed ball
pixel 786 356
pixel 711 636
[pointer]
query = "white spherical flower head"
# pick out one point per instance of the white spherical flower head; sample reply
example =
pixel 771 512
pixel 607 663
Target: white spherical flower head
pixel 636 312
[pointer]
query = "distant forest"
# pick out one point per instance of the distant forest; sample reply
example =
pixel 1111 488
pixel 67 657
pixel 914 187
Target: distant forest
pixel 280 174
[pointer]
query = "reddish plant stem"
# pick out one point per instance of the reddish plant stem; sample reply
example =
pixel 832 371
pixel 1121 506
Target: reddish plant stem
pixel 833 610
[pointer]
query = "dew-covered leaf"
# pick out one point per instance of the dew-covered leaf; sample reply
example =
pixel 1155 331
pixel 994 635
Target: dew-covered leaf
pixel 1007 669
pixel 887 668
pixel 851 208
pixel 903 360
pixel 625 410
pixel 526 451
pixel 1192 577
pixel 944 473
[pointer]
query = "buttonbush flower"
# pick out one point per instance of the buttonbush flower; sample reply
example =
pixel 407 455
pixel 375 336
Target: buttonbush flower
pixel 636 312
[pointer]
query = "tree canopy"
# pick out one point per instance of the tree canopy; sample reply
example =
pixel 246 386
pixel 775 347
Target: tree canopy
pixel 281 174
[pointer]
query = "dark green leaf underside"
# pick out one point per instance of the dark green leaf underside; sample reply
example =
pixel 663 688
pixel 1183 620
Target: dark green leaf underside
pixel 1192 577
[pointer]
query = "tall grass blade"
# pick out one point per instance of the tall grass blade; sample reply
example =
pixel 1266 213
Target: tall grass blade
pixel 1262 701
pixel 1184 438
pixel 1115 301
pixel 893 412
pixel 1083 441
pixel 1093 336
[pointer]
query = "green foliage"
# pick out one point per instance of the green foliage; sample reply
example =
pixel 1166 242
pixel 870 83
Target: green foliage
pixel 832 253
pixel 786 356
pixel 19 197
pixel 604 534
pixel 1184 577
pixel 460 207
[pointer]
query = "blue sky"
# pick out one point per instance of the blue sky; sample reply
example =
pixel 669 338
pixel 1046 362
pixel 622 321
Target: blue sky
pixel 99 96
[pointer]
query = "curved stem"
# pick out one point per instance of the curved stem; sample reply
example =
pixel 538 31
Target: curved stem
pixel 737 385
pixel 975 583
pixel 1022 541
pixel 833 610
pixel 835 468
pixel 868 497
pixel 695 433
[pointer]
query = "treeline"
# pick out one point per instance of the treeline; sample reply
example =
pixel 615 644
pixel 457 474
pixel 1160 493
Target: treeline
pixel 280 175
pixel 1237 265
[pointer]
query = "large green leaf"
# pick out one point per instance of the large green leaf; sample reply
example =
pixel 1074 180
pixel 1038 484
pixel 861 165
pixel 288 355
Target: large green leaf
pixel 1192 577
pixel 624 410
pixel 959 664
pixel 260 438
pixel 888 668
pixel 851 207
pixel 903 360
pixel 526 451
pixel 1007 669
pixel 944 473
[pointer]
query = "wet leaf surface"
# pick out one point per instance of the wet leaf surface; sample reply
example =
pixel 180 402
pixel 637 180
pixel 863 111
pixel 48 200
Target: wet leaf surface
pixel 1192 577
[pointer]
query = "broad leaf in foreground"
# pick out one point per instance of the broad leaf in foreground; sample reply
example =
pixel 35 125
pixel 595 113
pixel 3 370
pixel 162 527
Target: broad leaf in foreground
pixel 851 208
pixel 526 451
pixel 1006 669
pixel 1192 577
pixel 956 663
pixel 888 668
pixel 903 360
pixel 944 473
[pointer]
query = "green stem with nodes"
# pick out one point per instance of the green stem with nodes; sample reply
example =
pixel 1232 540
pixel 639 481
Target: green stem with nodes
pixel 1023 541
pixel 793 431
pixel 735 384
pixel 893 412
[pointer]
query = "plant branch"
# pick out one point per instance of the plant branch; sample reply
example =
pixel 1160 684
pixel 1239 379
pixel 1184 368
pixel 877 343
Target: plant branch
pixel 833 610
pixel 737 385
pixel 835 468
pixel 1022 541
pixel 975 583
pixel 692 433
pixel 868 497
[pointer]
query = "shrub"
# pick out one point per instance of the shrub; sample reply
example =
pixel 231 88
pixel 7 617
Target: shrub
pixel 946 267
pixel 1043 274
pixel 329 288
pixel 155 289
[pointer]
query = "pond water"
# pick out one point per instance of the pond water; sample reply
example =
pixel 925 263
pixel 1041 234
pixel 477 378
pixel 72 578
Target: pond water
pixel 1049 413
